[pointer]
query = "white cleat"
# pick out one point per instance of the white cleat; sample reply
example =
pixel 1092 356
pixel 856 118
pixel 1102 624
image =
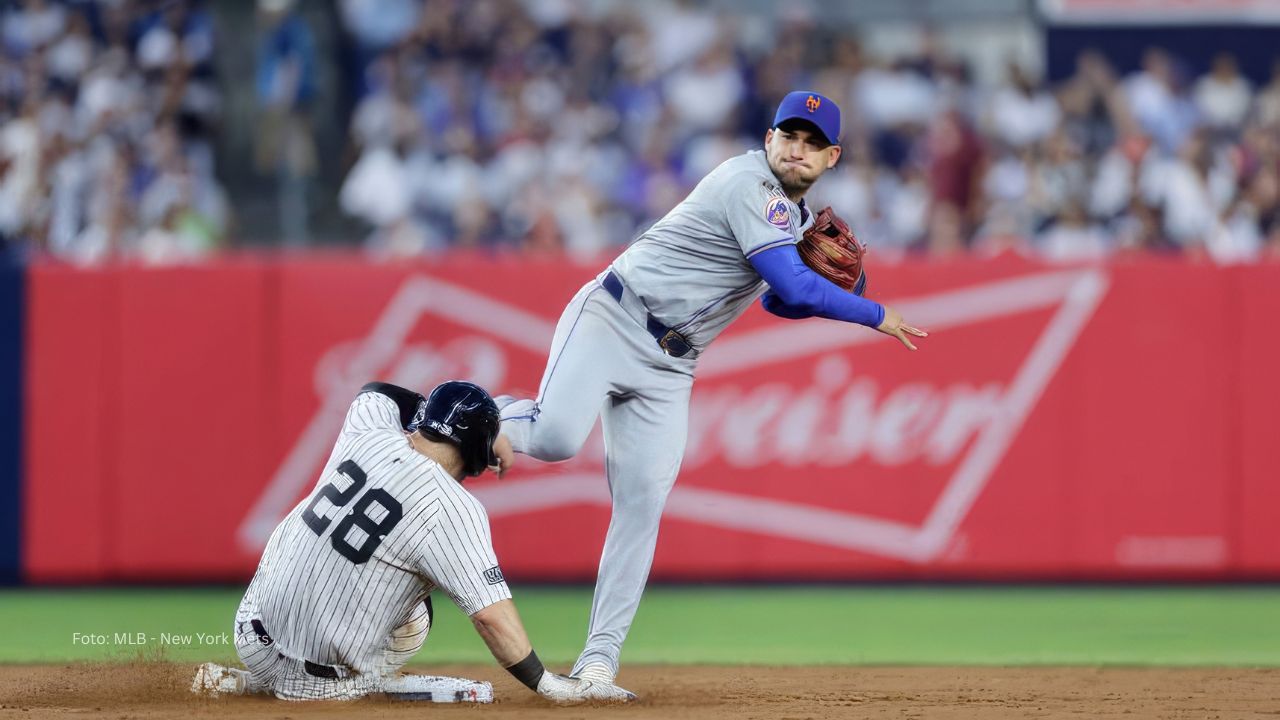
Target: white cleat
pixel 437 688
pixel 215 680
pixel 572 690
pixel 603 689
pixel 608 693
pixel 596 673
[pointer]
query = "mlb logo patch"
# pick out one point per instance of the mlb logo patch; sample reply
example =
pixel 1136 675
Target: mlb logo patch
pixel 493 575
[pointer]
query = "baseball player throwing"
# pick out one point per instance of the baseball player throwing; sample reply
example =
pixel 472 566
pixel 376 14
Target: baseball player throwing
pixel 342 597
pixel 627 346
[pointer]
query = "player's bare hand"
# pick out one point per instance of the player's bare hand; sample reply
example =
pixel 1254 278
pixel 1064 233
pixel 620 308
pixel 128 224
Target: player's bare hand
pixel 505 454
pixel 894 325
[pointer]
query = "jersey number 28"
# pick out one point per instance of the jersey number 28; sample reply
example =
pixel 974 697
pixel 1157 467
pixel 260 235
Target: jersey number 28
pixel 359 517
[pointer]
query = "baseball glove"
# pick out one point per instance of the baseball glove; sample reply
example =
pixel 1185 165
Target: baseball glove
pixel 830 249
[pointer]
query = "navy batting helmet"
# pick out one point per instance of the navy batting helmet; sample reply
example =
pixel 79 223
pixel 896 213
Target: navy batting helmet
pixel 463 414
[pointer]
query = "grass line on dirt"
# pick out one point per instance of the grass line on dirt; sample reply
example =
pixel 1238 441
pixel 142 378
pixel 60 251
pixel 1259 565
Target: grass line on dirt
pixel 1188 626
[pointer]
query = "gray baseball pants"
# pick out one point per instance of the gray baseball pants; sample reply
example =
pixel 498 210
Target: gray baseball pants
pixel 603 363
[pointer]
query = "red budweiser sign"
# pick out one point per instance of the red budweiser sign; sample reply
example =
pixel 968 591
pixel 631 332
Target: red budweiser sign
pixel 1061 422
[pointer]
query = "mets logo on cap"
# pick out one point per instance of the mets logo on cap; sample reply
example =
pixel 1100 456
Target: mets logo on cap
pixel 813 103
pixel 777 213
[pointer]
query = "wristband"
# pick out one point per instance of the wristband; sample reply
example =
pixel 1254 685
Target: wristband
pixel 529 671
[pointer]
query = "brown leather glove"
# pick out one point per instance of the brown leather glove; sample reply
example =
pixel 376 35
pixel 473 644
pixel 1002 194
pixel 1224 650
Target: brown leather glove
pixel 830 249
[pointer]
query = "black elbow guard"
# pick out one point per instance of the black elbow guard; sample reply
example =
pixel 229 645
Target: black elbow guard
pixel 412 405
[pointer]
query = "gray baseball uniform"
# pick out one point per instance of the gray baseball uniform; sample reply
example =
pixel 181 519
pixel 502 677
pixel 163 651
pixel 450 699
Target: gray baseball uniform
pixel 339 601
pixel 681 283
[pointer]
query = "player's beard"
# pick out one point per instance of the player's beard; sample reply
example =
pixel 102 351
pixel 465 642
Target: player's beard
pixel 799 187
pixel 794 181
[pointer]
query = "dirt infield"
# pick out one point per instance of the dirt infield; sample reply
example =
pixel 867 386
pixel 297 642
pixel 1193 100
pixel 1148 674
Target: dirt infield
pixel 159 690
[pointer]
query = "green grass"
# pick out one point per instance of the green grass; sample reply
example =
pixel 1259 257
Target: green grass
pixel 790 625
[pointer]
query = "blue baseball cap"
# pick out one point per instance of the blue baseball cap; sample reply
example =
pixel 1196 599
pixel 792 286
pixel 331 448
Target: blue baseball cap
pixel 813 107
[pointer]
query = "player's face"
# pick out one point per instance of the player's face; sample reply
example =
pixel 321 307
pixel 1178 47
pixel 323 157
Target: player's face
pixel 798 156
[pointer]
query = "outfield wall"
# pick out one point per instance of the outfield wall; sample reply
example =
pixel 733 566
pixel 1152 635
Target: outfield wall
pixel 1097 422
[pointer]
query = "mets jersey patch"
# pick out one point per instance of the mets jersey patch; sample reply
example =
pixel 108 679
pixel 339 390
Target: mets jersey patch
pixel 777 213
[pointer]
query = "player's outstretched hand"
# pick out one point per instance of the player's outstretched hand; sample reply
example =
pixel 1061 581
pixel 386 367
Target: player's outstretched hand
pixel 506 455
pixel 894 325
pixel 571 690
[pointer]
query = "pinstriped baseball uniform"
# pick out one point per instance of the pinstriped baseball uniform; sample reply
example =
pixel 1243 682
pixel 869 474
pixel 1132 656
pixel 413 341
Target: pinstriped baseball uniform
pixel 690 273
pixel 343 579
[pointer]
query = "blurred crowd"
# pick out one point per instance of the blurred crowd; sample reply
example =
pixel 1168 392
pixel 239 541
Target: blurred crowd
pixel 565 126
pixel 541 125
pixel 108 114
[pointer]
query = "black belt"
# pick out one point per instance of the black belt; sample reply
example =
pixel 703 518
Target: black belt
pixel 314 669
pixel 671 342
pixel 320 671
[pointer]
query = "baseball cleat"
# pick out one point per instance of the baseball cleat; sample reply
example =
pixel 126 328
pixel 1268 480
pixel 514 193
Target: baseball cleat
pixel 215 680
pixel 613 693
pixel 602 688
pixel 596 673
pixel 603 692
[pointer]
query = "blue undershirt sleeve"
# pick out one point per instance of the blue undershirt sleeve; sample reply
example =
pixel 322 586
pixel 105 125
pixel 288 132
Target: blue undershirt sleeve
pixel 796 291
pixel 772 303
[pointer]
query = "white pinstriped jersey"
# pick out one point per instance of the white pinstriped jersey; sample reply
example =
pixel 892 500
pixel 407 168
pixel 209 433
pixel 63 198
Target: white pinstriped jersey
pixel 383 527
